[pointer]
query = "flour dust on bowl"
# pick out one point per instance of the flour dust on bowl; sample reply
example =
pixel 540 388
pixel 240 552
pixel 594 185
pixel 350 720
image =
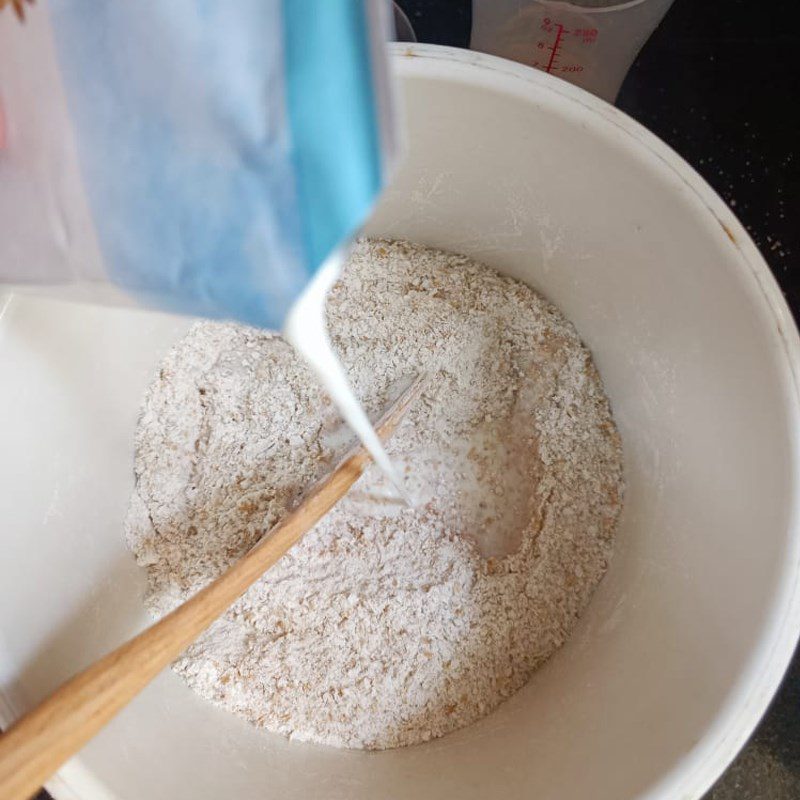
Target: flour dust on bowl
pixel 688 634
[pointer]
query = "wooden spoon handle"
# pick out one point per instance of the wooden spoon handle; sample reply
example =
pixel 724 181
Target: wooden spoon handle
pixel 42 740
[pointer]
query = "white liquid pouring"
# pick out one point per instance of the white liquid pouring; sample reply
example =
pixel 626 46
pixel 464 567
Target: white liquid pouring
pixel 306 331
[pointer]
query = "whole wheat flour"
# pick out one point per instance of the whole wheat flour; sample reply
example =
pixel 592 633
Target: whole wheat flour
pixel 385 626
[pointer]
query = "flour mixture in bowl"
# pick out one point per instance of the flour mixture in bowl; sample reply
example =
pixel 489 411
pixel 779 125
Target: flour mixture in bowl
pixel 385 626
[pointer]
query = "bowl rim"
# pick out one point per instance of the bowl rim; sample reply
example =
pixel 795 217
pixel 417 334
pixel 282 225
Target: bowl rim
pixel 697 770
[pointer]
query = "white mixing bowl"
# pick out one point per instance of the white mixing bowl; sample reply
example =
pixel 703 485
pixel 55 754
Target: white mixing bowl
pixel 688 635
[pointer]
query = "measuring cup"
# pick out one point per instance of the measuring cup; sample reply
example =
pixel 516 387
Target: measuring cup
pixel 403 29
pixel 591 43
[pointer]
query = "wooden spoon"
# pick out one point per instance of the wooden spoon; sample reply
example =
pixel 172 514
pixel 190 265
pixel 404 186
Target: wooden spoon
pixel 41 741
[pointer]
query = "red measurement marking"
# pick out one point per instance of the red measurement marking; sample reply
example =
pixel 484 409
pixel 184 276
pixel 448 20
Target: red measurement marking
pixel 554 48
pixel 586 35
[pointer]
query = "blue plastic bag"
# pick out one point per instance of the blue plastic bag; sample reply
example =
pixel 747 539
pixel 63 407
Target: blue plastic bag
pixel 222 150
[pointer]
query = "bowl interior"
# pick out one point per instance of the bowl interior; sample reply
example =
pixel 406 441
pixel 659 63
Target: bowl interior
pixel 686 637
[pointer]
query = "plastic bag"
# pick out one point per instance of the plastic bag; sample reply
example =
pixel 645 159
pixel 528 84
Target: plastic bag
pixel 206 156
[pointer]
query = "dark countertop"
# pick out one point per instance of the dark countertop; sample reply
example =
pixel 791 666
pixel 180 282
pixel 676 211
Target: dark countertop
pixel 718 82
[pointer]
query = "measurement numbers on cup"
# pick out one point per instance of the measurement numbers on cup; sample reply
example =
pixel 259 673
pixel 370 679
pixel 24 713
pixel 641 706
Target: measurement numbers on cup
pixel 558 46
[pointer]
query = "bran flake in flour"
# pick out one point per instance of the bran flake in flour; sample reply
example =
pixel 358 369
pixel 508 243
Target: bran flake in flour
pixel 385 626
